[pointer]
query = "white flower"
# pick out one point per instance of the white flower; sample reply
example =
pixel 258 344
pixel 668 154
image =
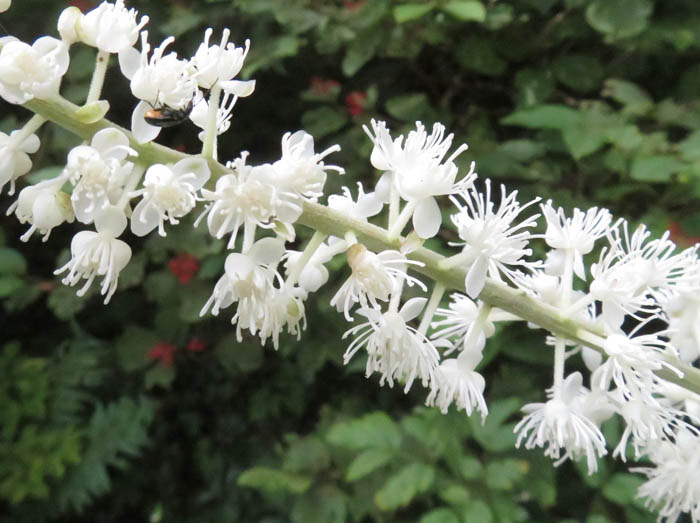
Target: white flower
pixel 248 197
pixel 457 382
pixel 418 171
pixel 559 425
pixel 395 350
pixel 262 308
pixel 68 24
pixel 168 194
pixel 98 171
pixel 200 114
pixel 576 234
pixel 632 361
pixel 366 205
pixel 374 277
pixel 281 308
pixel 672 486
pixel 14 157
pixel 110 27
pixel 220 64
pixel 458 320
pixel 248 276
pixel 636 275
pixel 161 81
pixel 34 71
pixel 43 205
pixel 646 423
pixel 5 5
pixel 300 169
pixel 684 325
pixel 98 253
pixel 492 244
pixel 313 274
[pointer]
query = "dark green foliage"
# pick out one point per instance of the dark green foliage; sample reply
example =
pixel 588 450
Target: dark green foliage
pixel 589 102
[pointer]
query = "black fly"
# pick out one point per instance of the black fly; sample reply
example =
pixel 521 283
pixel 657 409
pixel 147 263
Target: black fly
pixel 167 116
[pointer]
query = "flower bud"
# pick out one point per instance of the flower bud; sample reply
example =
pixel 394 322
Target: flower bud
pixel 67 24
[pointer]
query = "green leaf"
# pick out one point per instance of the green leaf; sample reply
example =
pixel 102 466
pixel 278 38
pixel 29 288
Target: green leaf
pixel 408 107
pixel 160 375
pixel 402 487
pixel 439 515
pixel 269 479
pixel 237 357
pixel 690 147
pixel 655 168
pixel 477 54
pixel 633 97
pixel 9 284
pixel 309 454
pixel 132 347
pixel 466 10
pixel 494 434
pixel 504 474
pixel 114 431
pixel 375 430
pixel 322 121
pixel 619 18
pixel 478 511
pixel 534 86
pixel 544 117
pixel 367 462
pixel 470 467
pixel 580 73
pixel 582 141
pixel 408 12
pixel 360 51
pixel 12 262
pixel 65 303
pixel 622 488
pixel 326 504
pixel 456 495
pixel 498 16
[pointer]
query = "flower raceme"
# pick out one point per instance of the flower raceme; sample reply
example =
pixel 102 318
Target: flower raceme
pixel 642 284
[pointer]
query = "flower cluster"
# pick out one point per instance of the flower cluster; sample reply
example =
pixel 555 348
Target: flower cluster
pixel 625 303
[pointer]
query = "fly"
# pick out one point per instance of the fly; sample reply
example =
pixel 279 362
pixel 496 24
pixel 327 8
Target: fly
pixel 167 116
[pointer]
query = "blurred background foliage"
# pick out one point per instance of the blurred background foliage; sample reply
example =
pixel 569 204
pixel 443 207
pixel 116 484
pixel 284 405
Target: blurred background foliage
pixel 142 411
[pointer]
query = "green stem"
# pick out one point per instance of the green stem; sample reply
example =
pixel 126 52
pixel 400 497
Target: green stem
pixel 331 222
pixel 401 221
pixel 32 125
pixel 311 247
pixel 431 307
pixel 98 76
pixel 210 136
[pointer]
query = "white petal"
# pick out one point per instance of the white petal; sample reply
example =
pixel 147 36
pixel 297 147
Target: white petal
pixel 198 166
pixel 312 277
pixel 383 187
pixel 129 61
pixel 267 251
pixel 109 138
pixel 145 218
pixel 238 266
pixel 412 308
pixel 476 277
pixel 427 218
pixel 379 160
pixel 369 205
pixel 142 130
pixel 238 87
pixel 30 144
